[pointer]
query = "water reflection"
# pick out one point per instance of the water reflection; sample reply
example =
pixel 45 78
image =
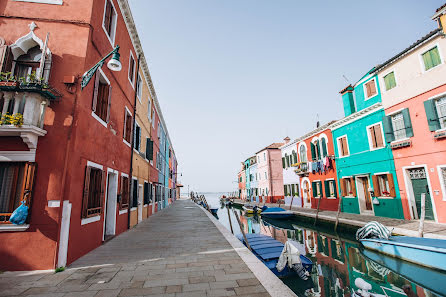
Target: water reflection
pixel 338 260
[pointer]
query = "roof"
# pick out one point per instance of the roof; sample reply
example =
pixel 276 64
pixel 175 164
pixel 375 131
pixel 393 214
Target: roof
pixel 315 131
pixel 275 145
pixel 408 49
pixel 441 7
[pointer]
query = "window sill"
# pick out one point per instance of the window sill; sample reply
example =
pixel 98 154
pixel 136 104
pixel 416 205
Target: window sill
pixel 440 133
pixel 13 228
pixel 101 121
pixel 385 197
pixel 332 198
pixel 396 144
pixel 123 211
pixel 133 208
pixel 128 144
pixel 349 196
pixel 90 220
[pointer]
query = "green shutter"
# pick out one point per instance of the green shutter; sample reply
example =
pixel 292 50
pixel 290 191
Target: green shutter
pixel 327 188
pixel 313 152
pixel 388 129
pixel 407 122
pixel 284 190
pixel 318 149
pixel 283 162
pixel 293 191
pixel 431 58
pixel 431 114
pixel 324 147
pixel 297 189
pixel 287 160
pixel 295 157
pixel 389 80
pixel 313 186
pixel 427 61
pixel 149 150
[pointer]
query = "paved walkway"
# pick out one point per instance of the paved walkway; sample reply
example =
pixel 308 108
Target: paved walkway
pixel 402 227
pixel 176 252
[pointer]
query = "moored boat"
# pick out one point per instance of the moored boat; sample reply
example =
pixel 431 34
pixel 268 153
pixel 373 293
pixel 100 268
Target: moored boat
pixel 213 210
pixel 277 213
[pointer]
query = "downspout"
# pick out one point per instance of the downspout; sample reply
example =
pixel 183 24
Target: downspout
pixel 270 176
pixel 133 141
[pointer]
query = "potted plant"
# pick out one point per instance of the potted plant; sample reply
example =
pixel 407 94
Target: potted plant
pixel 8 80
pixel 12 120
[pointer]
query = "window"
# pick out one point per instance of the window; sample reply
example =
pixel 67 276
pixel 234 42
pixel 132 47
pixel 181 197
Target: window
pixel 139 87
pixel 441 111
pixel 134 192
pixel 137 140
pixel 149 149
pixel 343 146
pixel 124 201
pixel 147 193
pixel 431 58
pixel 294 154
pixel 131 69
pixel 101 97
pixel 442 174
pixel 16 185
pixel 109 22
pixel 303 153
pixel 127 126
pixel 93 192
pixel 370 89
pixel 317 189
pixel 383 185
pixel 348 187
pixel 324 147
pixel 330 188
pixel 315 150
pixel 264 156
pixel 149 109
pixel 283 162
pixel 389 80
pixel 376 140
pixel 436 113
pixel 266 176
pixel 399 130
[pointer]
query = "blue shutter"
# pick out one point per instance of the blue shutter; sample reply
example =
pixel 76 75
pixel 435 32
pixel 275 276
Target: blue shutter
pixel 388 129
pixel 431 114
pixel 407 122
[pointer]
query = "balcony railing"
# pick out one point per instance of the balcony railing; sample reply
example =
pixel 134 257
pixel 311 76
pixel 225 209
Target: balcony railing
pixel 301 168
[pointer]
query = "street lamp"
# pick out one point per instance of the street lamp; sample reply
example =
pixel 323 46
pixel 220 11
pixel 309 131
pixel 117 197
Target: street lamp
pixel 114 65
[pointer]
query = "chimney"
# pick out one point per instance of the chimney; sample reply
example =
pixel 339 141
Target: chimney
pixel 287 139
pixel 440 17
pixel 347 100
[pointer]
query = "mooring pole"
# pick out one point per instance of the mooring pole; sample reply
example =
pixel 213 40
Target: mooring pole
pixel 317 212
pixel 423 213
pixel 339 212
pixel 243 231
pixel 229 217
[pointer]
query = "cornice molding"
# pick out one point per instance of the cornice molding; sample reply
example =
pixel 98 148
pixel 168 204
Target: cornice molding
pixel 131 28
pixel 355 116
pixel 314 132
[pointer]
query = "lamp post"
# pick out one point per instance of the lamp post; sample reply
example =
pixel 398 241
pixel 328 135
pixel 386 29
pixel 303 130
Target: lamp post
pixel 114 65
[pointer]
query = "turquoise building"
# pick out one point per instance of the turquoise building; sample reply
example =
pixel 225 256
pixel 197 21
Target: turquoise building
pixel 249 174
pixel 364 160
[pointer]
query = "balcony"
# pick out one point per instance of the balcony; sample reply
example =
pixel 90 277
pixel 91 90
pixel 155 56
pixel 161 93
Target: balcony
pixel 22 107
pixel 301 168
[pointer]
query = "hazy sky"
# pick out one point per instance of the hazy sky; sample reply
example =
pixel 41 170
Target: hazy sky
pixel 233 76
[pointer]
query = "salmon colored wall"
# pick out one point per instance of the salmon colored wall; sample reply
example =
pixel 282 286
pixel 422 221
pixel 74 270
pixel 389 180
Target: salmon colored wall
pixel 425 150
pixel 12 143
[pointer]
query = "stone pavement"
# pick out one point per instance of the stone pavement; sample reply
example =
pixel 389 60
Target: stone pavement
pixel 176 252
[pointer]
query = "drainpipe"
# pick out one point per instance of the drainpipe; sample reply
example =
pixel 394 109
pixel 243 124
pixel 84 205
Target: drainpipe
pixel 133 141
pixel 270 176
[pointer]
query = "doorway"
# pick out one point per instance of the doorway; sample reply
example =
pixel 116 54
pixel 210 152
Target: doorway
pixel 140 202
pixel 306 194
pixel 365 201
pixel 418 180
pixel 110 211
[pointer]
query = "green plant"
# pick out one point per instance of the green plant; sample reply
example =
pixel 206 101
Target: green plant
pixel 59 269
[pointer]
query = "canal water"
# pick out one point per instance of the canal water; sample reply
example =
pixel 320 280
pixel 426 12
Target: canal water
pixel 340 265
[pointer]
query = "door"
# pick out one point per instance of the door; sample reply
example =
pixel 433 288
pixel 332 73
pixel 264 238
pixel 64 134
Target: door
pixel 140 202
pixel 110 212
pixel 306 194
pixel 365 201
pixel 419 186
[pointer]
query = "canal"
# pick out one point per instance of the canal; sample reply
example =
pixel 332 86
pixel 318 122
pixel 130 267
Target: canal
pixel 339 262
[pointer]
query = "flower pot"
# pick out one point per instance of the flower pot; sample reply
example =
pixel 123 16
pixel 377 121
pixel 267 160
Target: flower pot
pixel 8 83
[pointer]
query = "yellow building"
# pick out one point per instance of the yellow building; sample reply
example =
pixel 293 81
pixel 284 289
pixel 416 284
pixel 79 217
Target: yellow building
pixel 141 187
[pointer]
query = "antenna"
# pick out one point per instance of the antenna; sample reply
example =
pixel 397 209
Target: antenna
pixel 346 79
pixel 317 121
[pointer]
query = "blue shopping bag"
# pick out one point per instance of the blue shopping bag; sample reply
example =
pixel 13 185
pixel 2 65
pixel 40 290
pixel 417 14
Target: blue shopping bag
pixel 19 215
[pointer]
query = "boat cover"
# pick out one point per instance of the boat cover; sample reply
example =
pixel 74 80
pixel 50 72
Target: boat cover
pixel 373 230
pixel 290 256
pixel 274 209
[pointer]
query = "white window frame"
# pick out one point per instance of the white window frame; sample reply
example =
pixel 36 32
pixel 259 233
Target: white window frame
pixel 332 181
pixel 383 82
pixel 302 143
pixel 339 146
pixel 55 2
pixel 115 22
pixel 442 182
pixel 318 182
pixel 127 111
pixel 393 130
pixel 149 108
pixel 369 137
pixel 132 81
pixel 420 57
pixel 139 87
pixel 138 149
pixel 365 89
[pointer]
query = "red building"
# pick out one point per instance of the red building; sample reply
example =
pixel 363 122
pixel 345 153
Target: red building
pixel 317 169
pixel 70 159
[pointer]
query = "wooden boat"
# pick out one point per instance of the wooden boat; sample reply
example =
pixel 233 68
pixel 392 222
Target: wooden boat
pixel 422 251
pixel 268 250
pixel 430 279
pixel 252 209
pixel 277 213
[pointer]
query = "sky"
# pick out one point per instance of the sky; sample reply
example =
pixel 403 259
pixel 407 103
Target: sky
pixel 233 76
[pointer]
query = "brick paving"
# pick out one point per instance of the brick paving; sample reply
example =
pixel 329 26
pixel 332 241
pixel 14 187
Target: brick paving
pixel 177 252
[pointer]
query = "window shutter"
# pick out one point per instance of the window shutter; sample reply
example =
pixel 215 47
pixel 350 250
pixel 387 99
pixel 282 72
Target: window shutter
pixel 376 189
pixel 283 162
pixel 407 122
pixel 295 157
pixel 293 190
pixel 6 59
pixel 352 181
pixel 284 190
pixel 431 114
pixel 342 184
pixel 313 186
pixel 313 152
pixel 391 185
pixel 327 188
pixel 86 192
pixel 103 179
pixel 435 56
pixel 334 188
pixel 388 129
pixel 324 147
pixel 297 190
pixel 28 182
pixel 135 193
pixel 109 103
pixel 96 90
pixel 146 193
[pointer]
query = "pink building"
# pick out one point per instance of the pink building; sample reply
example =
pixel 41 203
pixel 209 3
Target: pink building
pixel 414 98
pixel 269 172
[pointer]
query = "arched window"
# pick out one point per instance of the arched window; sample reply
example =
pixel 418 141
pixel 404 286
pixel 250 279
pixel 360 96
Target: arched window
pixel 303 153
pixel 324 147
pixel 294 154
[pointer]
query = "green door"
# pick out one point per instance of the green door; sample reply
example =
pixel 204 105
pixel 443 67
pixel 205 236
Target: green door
pixel 419 185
